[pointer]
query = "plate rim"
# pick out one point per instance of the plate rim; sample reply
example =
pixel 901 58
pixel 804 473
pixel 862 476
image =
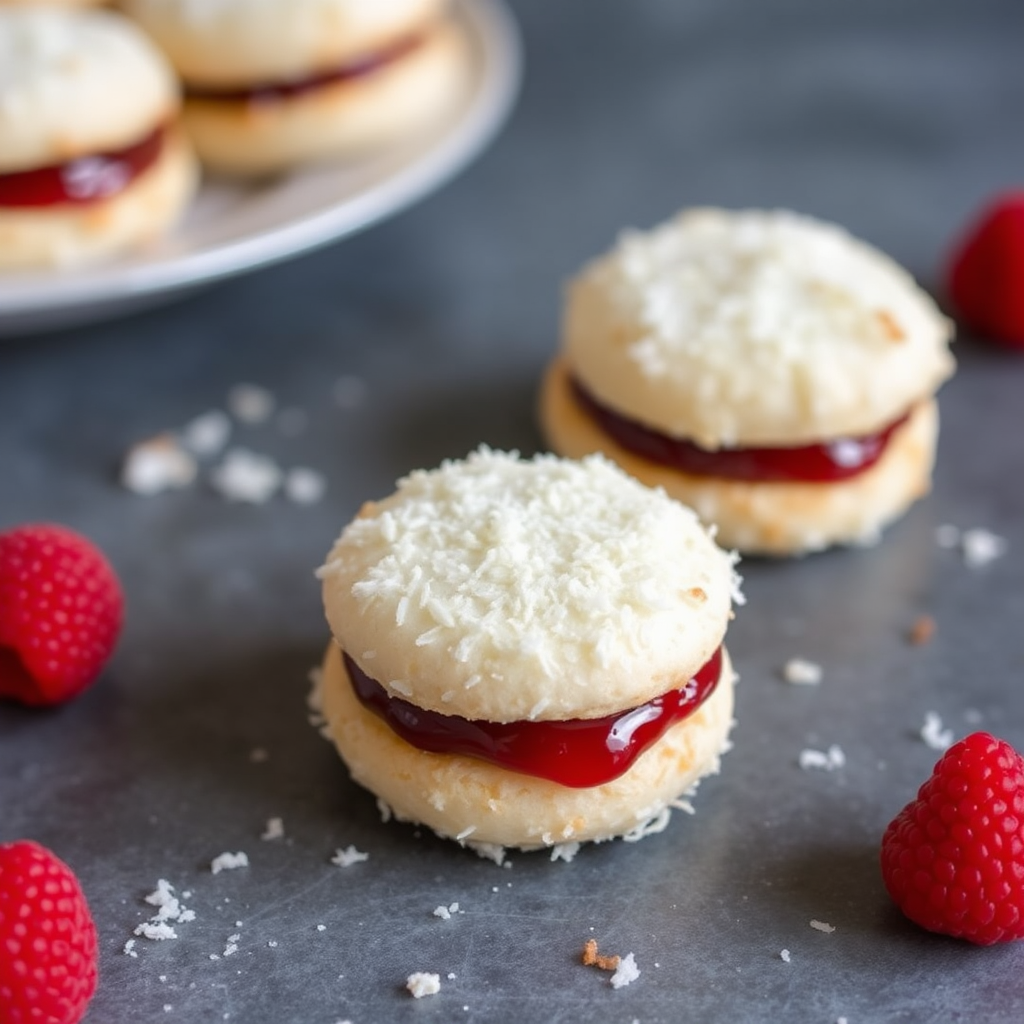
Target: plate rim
pixel 497 37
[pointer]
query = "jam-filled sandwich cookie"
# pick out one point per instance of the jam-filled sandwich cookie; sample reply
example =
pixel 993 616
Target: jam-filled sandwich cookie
pixel 92 160
pixel 765 368
pixel 274 83
pixel 528 652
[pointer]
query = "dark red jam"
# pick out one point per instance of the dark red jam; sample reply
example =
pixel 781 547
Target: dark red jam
pixel 578 752
pixel 826 462
pixel 84 180
pixel 273 92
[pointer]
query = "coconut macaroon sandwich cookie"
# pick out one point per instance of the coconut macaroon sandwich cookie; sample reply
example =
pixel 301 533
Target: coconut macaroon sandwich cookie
pixel 92 161
pixel 528 653
pixel 274 83
pixel 765 368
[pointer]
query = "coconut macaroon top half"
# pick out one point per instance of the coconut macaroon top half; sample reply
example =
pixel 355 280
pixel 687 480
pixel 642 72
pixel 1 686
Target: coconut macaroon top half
pixel 505 590
pixel 753 327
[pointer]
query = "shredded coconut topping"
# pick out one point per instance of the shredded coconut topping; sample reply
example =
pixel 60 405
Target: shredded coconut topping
pixel 821 926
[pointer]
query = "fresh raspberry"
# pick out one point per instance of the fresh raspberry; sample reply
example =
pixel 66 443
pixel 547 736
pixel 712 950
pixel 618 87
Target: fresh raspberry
pixel 953 859
pixel 985 278
pixel 60 613
pixel 48 966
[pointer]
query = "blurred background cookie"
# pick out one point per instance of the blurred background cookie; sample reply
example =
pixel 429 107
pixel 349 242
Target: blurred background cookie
pixel 528 652
pixel 274 83
pixel 765 368
pixel 92 160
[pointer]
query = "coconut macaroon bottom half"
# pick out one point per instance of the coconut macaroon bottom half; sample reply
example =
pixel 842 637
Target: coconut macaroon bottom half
pixel 766 368
pixel 528 653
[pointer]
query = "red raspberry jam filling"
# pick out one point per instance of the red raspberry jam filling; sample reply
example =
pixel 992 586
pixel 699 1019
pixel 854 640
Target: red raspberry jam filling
pixel 273 92
pixel 577 752
pixel 84 180
pixel 826 462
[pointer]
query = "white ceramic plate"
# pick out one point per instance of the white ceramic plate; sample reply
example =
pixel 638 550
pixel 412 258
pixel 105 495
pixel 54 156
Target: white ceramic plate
pixel 235 227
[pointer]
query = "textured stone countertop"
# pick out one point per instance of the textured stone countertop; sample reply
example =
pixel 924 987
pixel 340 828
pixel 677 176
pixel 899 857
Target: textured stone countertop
pixel 896 120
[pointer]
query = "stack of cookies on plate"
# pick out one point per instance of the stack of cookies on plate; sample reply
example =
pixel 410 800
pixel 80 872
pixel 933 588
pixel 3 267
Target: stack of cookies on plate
pixel 105 117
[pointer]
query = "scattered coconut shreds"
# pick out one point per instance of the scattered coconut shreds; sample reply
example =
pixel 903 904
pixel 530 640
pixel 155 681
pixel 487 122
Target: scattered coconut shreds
pixel 784 954
pixel 304 486
pixel 229 862
pixel 246 476
pixel 978 545
pixel 421 984
pixel 206 435
pixel 445 913
pixel 349 392
pixel 158 465
pixel 922 630
pixel 592 958
pixel 821 926
pixel 565 852
pixel 129 949
pixel 169 909
pixel 349 856
pixel 626 972
pixel 981 547
pixel 250 403
pixel 933 734
pixel 231 946
pixel 274 829
pixel 828 760
pixel 801 672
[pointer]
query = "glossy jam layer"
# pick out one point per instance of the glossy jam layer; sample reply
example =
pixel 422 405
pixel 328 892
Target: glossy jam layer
pixel 84 180
pixel 578 752
pixel 827 462
pixel 274 92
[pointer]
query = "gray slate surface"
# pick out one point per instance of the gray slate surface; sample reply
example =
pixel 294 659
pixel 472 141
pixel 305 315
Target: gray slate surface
pixel 896 120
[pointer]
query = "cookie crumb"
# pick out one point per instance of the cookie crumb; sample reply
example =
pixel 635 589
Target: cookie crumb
pixel 246 476
pixel 229 862
pixel 591 957
pixel 801 672
pixel 157 465
pixel 422 984
pixel 304 486
pixel 349 856
pixel 207 434
pixel 981 547
pixel 934 736
pixel 828 760
pixel 922 630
